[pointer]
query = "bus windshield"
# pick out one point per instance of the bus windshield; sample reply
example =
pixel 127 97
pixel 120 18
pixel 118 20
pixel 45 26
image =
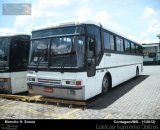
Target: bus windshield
pixel 60 52
pixel 4 49
pixel 39 52
pixel 67 52
pixel 58 47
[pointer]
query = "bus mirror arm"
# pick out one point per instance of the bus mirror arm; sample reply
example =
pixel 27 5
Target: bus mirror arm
pixel 91 62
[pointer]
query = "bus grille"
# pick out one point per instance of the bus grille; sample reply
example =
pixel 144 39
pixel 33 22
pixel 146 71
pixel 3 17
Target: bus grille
pixel 49 81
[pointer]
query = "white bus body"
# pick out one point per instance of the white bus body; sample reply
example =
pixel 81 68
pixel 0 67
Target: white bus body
pixel 96 74
pixel 13 63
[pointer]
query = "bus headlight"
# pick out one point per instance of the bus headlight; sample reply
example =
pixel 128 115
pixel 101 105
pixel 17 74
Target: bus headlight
pixel 30 72
pixel 31 79
pixel 72 82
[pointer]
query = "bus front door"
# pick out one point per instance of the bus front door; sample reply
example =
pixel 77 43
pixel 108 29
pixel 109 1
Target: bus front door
pixel 91 59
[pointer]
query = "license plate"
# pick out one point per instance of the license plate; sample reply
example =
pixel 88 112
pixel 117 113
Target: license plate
pixel 48 90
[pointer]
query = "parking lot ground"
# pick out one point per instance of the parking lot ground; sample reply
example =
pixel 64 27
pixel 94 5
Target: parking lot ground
pixel 138 98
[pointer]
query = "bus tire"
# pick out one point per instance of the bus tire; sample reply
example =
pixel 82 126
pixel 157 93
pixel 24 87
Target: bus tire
pixel 137 72
pixel 105 84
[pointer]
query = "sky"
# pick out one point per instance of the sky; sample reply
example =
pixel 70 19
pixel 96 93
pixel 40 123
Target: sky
pixel 136 19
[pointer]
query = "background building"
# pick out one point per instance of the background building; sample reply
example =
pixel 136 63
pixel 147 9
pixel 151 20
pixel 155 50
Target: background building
pixel 151 53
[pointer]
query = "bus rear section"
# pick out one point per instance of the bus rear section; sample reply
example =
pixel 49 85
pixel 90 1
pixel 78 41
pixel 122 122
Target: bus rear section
pixel 14 54
pixel 72 61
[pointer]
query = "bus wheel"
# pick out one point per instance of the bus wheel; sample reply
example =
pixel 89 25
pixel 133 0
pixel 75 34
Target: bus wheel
pixel 105 84
pixel 137 72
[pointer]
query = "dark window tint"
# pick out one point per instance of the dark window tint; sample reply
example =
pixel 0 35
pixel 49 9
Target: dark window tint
pixel 127 46
pixel 111 37
pixel 119 44
pixel 133 49
pixel 152 55
pixel 95 31
pixel 108 41
pixel 19 53
pixel 139 50
pixel 4 51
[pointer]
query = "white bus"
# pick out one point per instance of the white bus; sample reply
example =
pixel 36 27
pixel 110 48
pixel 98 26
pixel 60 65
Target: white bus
pixel 80 60
pixel 14 55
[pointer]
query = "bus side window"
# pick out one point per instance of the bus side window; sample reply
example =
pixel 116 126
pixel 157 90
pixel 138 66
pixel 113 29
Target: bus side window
pixel 136 49
pixel 111 39
pixel 133 48
pixel 108 41
pixel 127 46
pixel 95 31
pixel 119 44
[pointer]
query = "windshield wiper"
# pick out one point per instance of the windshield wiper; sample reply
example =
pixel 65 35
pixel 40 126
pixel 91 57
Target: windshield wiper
pixel 62 67
pixel 36 70
pixel 64 63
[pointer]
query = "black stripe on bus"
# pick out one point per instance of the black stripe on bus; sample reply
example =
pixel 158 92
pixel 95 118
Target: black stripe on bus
pixel 117 66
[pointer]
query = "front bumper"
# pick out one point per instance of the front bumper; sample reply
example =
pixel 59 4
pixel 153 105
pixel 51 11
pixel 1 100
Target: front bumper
pixel 58 91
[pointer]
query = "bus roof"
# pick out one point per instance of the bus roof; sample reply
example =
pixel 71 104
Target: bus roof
pixel 73 23
pixel 12 35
